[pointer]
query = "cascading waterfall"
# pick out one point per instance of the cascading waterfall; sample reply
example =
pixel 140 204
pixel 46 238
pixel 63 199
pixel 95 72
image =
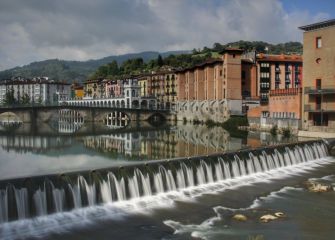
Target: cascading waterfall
pixel 20 200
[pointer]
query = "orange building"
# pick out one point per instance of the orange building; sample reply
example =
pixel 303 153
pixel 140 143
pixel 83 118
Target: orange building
pixel 319 77
pixel 211 90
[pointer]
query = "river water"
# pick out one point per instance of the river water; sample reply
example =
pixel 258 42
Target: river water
pixel 201 211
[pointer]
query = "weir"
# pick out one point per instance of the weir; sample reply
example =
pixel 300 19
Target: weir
pixel 42 195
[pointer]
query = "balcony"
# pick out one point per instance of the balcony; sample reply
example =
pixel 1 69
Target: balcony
pixel 318 108
pixel 320 90
pixel 284 92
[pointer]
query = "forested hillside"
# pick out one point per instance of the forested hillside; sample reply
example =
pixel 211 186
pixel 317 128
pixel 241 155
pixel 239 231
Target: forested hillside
pixel 113 66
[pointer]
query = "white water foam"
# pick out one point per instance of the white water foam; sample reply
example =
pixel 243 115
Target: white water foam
pixel 64 221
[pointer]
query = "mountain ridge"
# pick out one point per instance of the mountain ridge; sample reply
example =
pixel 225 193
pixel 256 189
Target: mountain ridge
pixel 76 71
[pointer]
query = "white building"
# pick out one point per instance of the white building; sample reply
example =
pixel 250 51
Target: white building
pixel 126 94
pixel 40 90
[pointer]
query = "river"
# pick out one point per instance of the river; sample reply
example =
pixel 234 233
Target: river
pixel 174 207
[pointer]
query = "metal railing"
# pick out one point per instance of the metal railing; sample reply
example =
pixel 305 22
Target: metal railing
pixel 329 89
pixel 324 107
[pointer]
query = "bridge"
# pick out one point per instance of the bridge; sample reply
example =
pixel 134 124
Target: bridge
pixel 88 113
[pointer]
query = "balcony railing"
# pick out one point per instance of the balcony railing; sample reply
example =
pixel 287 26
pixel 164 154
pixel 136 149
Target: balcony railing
pixel 324 107
pixel 320 90
pixel 281 92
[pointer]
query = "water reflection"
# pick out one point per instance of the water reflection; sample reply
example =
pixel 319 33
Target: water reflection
pixel 67 145
pixel 177 141
pixel 131 142
pixel 34 144
pixel 116 120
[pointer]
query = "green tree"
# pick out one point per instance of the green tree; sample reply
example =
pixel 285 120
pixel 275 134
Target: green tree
pixel 25 99
pixel 113 68
pixel 160 60
pixel 10 98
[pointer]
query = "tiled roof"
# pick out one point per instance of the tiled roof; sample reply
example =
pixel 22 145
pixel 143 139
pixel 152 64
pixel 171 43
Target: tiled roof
pixel 278 58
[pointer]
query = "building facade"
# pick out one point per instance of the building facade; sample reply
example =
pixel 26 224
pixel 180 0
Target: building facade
pixel 39 90
pixel 278 87
pixel 77 91
pixel 318 109
pixel 94 88
pixel 211 90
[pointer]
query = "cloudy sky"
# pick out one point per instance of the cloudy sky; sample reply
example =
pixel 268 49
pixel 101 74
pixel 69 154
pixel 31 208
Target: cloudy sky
pixel 34 30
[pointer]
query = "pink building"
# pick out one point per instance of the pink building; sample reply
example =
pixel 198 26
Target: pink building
pixel 114 88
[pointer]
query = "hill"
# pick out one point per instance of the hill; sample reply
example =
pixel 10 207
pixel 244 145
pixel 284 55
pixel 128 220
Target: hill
pixel 138 62
pixel 75 70
pixel 138 66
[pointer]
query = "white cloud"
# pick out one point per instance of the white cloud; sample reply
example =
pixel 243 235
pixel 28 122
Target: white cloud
pixel 84 29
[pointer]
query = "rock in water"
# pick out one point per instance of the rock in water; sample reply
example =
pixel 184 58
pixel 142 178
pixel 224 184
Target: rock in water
pixel 318 187
pixel 267 218
pixel 240 217
pixel 279 214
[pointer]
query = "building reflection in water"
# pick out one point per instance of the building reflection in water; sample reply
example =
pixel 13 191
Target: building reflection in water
pixel 69 121
pixel 116 120
pixel 35 144
pixel 178 141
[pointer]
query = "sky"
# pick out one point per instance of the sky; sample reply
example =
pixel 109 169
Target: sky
pixel 35 30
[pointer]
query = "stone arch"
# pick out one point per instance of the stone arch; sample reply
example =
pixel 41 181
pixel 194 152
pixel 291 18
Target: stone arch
pixel 118 103
pixel 109 104
pixel 144 104
pixel 105 104
pixel 167 105
pixel 135 104
pixel 123 104
pixel 152 104
pixel 113 104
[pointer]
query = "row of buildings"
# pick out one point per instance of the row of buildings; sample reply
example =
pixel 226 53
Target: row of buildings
pixel 284 90
pixel 38 90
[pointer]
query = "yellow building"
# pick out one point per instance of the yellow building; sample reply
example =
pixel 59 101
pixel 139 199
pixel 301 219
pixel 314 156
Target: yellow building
pixel 93 88
pixel 144 82
pixel 78 92
pixel 318 101
pixel 170 93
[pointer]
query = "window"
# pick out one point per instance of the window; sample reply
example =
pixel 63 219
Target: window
pixel 318 83
pixel 243 74
pixel 318 42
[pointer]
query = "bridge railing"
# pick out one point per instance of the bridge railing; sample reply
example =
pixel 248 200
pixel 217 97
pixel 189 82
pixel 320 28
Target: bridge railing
pixel 64 104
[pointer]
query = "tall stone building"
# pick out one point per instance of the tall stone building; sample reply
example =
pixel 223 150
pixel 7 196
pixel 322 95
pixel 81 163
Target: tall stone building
pixel 318 108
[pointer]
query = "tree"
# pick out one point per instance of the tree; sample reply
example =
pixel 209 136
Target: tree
pixel 160 61
pixel 113 68
pixel 25 99
pixel 9 97
pixel 217 47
